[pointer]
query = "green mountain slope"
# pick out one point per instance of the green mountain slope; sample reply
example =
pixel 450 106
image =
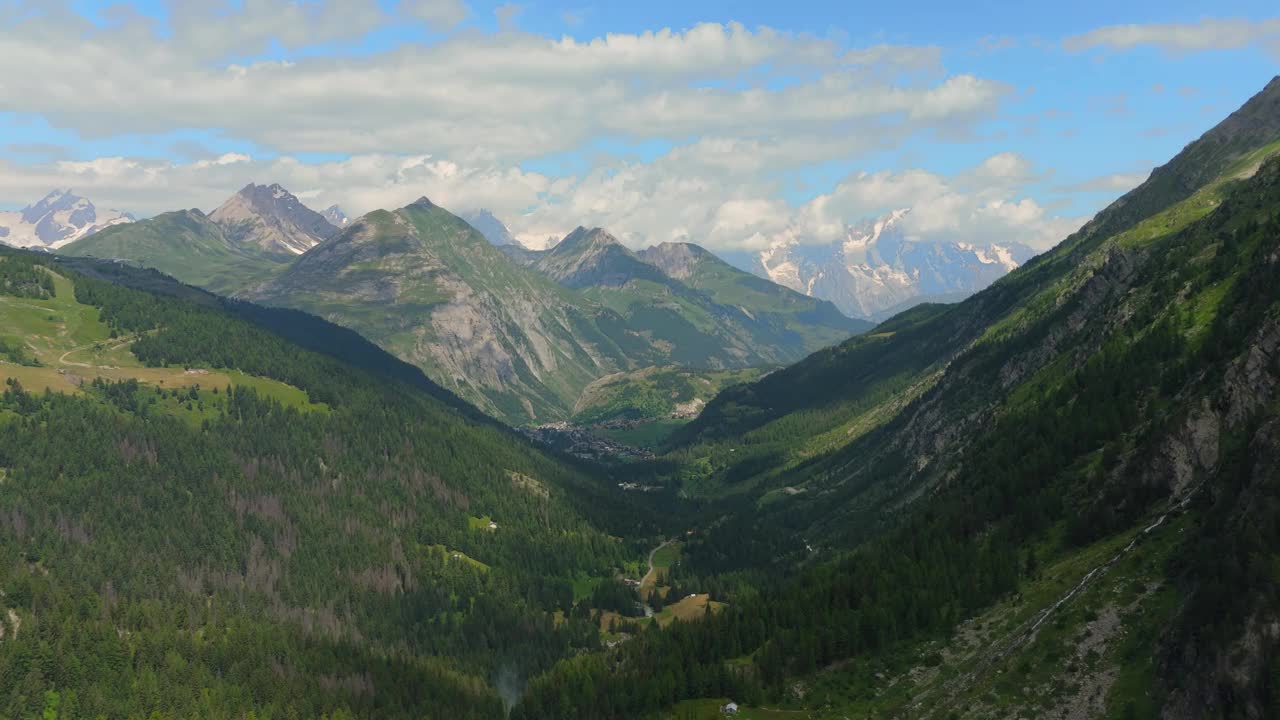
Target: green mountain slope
pixel 425 286
pixel 185 244
pixel 1083 457
pixel 205 519
pixel 728 322
pixel 643 407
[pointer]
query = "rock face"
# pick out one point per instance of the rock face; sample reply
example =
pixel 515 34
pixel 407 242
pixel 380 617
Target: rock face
pixel 876 271
pixel 273 219
pixel 58 219
pixel 678 260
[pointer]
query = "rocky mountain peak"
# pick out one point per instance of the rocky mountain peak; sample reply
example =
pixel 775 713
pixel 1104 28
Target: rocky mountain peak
pixel 272 218
pixel 583 239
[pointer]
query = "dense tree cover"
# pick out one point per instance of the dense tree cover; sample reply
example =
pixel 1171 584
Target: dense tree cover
pixel 23 276
pixel 616 596
pixel 213 552
pixel 1071 451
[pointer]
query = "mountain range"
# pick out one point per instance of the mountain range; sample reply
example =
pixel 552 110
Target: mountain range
pixel 875 271
pixel 519 333
pixel 246 240
pixel 58 219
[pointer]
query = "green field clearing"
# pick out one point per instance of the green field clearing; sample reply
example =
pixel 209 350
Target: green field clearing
pixel 73 347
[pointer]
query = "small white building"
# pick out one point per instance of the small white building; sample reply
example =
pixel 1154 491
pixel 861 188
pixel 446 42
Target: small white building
pixel 730 708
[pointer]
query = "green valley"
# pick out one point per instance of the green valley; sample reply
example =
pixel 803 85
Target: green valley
pixel 643 407
pixel 269 463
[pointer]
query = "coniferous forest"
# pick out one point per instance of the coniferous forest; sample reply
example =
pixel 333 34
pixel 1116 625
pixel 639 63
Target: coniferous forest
pixel 1058 497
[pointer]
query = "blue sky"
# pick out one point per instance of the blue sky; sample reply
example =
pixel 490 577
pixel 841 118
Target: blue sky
pixel 727 123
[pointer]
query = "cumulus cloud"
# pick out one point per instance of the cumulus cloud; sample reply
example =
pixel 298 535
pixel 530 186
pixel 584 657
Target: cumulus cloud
pixel 507 96
pixel 1207 34
pixel 982 204
pixel 1004 170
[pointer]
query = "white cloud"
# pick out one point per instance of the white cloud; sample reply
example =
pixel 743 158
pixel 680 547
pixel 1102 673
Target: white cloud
pixel 359 184
pixel 1208 34
pixel 675 197
pixel 981 204
pixel 508 96
pixel 1006 169
pixel 507 15
pixel 438 14
pixel 211 29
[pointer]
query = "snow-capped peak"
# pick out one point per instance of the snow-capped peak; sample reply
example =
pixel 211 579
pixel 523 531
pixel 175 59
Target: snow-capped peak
pixel 335 215
pixel 59 218
pixel 874 266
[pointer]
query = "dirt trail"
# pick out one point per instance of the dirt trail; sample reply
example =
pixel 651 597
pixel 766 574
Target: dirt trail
pixel 62 359
pixel 653 570
pixel 650 579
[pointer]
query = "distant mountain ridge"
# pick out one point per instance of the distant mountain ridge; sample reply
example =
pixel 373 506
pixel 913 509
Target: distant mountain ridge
pixel 522 333
pixel 874 267
pixel 57 219
pixel 493 229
